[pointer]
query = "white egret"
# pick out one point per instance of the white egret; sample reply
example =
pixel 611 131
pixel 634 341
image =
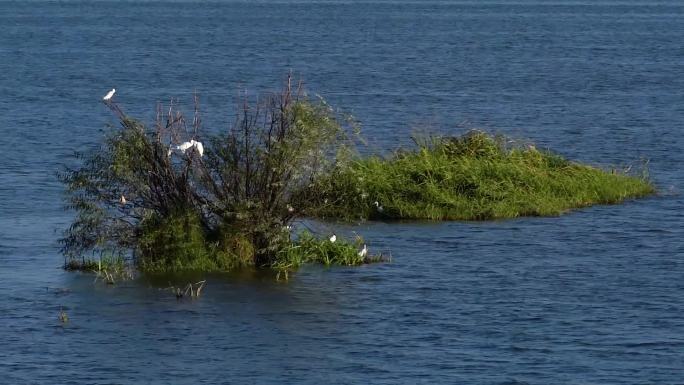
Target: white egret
pixel 198 147
pixel 333 238
pixel 109 95
pixel 185 146
pixel 290 209
pixel 122 200
pixel 378 206
pixel 363 251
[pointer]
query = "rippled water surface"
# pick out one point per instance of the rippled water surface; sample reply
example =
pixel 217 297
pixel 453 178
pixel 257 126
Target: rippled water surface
pixel 593 297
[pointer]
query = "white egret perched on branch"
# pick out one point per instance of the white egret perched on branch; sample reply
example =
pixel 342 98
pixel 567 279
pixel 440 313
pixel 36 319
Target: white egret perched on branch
pixel 183 147
pixel 109 95
pixel 199 147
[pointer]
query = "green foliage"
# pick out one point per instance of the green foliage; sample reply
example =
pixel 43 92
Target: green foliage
pixel 473 177
pixel 133 164
pixel 175 242
pixel 255 171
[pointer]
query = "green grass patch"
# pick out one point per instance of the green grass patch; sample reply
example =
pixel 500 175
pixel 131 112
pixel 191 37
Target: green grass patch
pixel 472 177
pixel 308 249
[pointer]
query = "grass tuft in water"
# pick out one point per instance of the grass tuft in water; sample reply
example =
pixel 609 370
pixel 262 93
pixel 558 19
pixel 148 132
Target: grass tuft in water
pixel 109 269
pixel 308 249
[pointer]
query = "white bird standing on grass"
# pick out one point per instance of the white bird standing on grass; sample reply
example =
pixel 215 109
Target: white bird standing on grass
pixel 109 95
pixel 333 238
pixel 363 251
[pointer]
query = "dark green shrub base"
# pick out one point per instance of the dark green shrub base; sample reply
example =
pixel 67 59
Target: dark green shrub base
pixel 182 249
pixel 473 177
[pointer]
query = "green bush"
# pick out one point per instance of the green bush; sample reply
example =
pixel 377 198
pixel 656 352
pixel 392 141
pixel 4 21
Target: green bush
pixel 218 207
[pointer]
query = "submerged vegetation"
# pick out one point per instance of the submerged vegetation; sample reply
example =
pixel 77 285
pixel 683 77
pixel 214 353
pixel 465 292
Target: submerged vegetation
pixel 171 198
pixel 476 176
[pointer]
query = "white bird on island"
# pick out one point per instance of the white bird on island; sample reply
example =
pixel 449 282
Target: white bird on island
pixel 363 251
pixel 109 95
pixel 378 206
pixel 333 238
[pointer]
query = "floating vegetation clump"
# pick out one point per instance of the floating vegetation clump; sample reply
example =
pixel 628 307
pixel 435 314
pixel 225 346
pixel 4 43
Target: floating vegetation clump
pixel 471 177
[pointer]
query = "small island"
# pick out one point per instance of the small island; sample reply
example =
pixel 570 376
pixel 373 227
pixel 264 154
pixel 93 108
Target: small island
pixel 170 198
pixel 475 176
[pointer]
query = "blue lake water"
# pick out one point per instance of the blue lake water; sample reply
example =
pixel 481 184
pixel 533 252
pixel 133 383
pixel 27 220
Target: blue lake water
pixel 593 297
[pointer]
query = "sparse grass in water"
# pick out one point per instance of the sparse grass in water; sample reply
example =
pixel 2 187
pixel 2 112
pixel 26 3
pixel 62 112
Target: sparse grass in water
pixel 109 269
pixel 191 290
pixel 473 177
pixel 62 316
